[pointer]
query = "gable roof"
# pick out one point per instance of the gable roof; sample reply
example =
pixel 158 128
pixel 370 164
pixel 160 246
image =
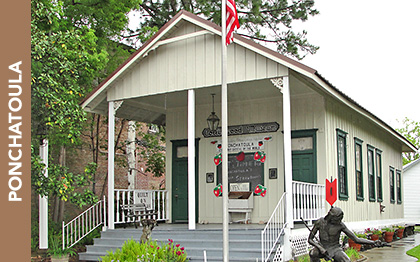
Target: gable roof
pixel 99 94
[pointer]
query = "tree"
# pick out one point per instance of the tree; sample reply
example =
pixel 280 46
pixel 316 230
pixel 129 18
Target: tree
pixel 260 20
pixel 411 131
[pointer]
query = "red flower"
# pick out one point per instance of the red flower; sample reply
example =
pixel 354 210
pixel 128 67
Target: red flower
pixel 178 253
pixel 157 248
pixel 177 245
pixel 151 246
pixel 182 248
pixel 170 240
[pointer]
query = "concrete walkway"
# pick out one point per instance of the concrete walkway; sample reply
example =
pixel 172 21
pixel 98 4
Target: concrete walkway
pixel 395 253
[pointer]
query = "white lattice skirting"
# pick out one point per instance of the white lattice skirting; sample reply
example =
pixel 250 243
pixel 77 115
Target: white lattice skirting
pixel 300 245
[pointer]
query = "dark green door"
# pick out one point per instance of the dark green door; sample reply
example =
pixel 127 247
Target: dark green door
pixel 180 181
pixel 304 156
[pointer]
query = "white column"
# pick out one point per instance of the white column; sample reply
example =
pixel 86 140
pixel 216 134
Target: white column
pixel 43 201
pixel 287 142
pixel 191 159
pixel 111 155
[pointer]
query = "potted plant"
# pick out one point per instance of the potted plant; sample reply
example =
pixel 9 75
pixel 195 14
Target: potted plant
pixel 353 244
pixel 400 231
pixel 56 251
pixel 373 233
pixel 388 234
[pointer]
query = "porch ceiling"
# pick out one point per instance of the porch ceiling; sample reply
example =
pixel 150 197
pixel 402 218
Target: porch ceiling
pixel 152 109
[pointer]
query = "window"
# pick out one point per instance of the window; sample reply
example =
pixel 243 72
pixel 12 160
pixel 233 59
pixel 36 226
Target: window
pixel 359 168
pixel 379 175
pixel 342 164
pixel 391 184
pixel 371 173
pixel 399 199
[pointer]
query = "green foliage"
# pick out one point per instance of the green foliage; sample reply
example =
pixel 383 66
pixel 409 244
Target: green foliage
pixel 388 229
pixel 353 254
pixel 64 64
pixel 55 248
pixel 260 20
pixel 411 131
pixel 152 151
pixel 62 183
pixel 150 251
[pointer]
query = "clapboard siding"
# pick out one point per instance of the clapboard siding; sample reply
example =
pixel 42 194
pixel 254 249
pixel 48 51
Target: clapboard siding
pixel 341 117
pixel 191 63
pixel 411 185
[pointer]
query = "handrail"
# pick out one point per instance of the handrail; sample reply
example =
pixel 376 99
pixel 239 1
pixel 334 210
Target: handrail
pixel 308 201
pixel 83 224
pixel 273 230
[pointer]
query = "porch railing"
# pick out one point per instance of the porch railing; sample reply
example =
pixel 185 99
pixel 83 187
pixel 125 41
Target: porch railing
pixel 83 224
pixel 308 201
pixel 156 200
pixel 273 230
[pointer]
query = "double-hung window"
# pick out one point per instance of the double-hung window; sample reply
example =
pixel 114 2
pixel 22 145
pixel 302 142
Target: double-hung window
pixel 379 175
pixel 391 184
pixel 398 184
pixel 342 164
pixel 359 168
pixel 371 172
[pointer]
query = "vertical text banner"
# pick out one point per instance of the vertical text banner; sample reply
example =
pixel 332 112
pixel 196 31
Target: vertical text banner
pixel 15 118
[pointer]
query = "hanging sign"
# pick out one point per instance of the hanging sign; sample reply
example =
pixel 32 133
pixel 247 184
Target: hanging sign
pixel 143 197
pixel 246 144
pixel 331 191
pixel 247 129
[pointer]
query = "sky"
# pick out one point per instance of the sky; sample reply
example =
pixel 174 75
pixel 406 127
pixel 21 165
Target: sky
pixel 370 51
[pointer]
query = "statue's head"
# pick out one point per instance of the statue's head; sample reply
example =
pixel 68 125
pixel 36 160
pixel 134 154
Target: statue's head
pixel 335 215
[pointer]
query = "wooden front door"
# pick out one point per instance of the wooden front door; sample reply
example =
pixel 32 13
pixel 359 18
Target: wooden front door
pixel 304 156
pixel 180 181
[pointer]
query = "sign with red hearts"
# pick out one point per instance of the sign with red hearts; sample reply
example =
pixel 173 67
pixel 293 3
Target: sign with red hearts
pixel 240 156
pixel 331 191
pixel 218 159
pixel 260 190
pixel 259 156
pixel 218 190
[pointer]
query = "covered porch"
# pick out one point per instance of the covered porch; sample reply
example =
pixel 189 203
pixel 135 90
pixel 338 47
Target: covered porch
pixel 171 80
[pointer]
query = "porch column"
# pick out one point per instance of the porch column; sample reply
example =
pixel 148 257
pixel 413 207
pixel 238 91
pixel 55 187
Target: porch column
pixel 191 159
pixel 287 142
pixel 43 201
pixel 111 137
pixel 288 178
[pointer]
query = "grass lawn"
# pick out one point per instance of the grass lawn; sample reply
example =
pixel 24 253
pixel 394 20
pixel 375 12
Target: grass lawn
pixel 414 252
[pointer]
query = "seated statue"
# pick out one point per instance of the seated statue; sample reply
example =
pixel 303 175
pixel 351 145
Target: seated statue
pixel 330 228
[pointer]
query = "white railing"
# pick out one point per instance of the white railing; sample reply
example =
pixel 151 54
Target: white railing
pixel 83 224
pixel 273 230
pixel 156 200
pixel 308 201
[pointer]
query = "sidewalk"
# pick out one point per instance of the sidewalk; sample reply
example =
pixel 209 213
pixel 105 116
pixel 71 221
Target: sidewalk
pixel 396 252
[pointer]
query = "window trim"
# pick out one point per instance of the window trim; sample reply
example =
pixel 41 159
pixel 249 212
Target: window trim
pixel 392 187
pixel 379 194
pixel 342 196
pixel 359 142
pixel 398 186
pixel 371 183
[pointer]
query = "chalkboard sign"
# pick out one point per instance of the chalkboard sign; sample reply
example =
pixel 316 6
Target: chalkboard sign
pixel 246 171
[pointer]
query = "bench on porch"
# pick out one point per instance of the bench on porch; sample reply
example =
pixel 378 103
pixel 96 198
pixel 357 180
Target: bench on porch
pixel 136 211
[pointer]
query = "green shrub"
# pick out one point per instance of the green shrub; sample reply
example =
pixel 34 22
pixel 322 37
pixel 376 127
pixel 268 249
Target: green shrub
pixel 133 251
pixel 55 248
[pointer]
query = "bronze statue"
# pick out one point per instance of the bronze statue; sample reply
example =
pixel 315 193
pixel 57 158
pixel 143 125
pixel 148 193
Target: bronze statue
pixel 330 228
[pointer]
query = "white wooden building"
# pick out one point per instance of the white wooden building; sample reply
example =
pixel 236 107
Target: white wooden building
pixel 175 74
pixel 411 185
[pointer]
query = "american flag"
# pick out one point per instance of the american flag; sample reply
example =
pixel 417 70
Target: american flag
pixel 231 20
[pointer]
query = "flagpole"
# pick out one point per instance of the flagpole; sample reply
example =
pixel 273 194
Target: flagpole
pixel 225 139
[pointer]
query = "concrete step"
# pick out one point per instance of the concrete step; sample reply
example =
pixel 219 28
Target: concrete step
pixel 244 245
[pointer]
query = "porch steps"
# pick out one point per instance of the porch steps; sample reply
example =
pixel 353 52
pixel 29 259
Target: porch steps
pixel 244 244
